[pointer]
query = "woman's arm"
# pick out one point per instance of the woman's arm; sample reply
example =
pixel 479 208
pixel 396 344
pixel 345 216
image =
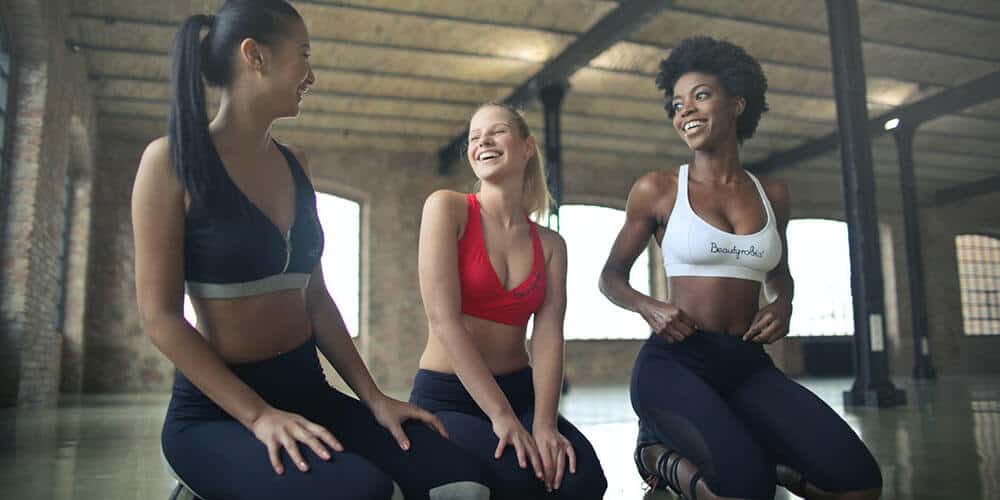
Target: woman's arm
pixel 547 336
pixel 547 349
pixel 640 225
pixel 442 296
pixel 441 292
pixel 158 213
pixel 641 222
pixel 335 342
pixel 772 321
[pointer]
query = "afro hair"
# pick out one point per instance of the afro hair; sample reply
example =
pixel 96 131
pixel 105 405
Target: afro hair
pixel 739 73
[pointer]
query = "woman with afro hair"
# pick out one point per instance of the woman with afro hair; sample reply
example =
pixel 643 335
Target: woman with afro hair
pixel 717 418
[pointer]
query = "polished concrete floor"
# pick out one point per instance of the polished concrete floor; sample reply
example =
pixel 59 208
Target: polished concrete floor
pixel 945 444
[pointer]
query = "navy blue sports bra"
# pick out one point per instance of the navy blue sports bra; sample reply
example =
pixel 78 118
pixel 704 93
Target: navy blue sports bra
pixel 242 253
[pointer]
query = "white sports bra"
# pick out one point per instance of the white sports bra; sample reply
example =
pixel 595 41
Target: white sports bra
pixel 693 247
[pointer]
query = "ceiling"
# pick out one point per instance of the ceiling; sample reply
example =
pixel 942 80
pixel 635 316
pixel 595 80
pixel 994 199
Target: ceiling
pixel 405 75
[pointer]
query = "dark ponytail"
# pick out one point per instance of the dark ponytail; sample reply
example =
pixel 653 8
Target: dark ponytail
pixel 190 142
pixel 191 151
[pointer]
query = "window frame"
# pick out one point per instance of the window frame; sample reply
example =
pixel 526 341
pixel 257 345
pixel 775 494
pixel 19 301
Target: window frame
pixel 992 307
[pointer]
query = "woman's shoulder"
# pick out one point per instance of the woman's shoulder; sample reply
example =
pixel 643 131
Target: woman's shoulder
pixel 156 166
pixel 445 204
pixel 775 188
pixel 552 242
pixel 654 190
pixel 658 182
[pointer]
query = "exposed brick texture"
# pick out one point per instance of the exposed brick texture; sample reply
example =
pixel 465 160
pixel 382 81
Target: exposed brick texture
pixel 50 88
pixel 55 131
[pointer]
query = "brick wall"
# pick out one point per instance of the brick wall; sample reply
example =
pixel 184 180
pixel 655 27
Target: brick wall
pixel 119 357
pixel 55 134
pixel 49 84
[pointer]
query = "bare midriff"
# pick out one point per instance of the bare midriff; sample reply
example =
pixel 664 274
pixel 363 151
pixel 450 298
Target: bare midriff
pixel 725 305
pixel 501 346
pixel 247 329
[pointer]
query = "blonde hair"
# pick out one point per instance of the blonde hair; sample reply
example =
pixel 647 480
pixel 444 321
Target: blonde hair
pixel 537 199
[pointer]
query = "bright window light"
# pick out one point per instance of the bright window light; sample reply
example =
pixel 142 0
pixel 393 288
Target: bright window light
pixel 820 261
pixel 341 221
pixel 589 232
pixel 891 123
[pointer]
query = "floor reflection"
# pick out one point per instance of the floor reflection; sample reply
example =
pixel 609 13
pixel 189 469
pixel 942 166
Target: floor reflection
pixel 944 445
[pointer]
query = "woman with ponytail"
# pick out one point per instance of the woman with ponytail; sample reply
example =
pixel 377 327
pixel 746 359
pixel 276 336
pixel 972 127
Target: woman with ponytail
pixel 224 211
pixel 485 269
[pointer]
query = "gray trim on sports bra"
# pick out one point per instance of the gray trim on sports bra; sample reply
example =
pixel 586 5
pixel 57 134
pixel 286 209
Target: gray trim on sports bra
pixel 274 283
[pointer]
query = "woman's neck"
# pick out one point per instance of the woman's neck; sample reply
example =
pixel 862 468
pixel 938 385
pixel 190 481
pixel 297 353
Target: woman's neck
pixel 718 166
pixel 503 202
pixel 239 123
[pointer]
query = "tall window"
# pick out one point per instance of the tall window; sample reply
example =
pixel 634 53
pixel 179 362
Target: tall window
pixel 4 86
pixel 341 221
pixel 64 242
pixel 589 232
pixel 979 279
pixel 820 261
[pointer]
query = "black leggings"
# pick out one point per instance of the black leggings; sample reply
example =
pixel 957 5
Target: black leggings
pixel 721 403
pixel 444 395
pixel 220 459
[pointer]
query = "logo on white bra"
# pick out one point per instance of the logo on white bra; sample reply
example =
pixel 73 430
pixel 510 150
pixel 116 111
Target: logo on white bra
pixel 752 251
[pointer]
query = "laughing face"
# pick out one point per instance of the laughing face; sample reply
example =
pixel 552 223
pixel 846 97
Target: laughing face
pixel 292 76
pixel 496 148
pixel 704 114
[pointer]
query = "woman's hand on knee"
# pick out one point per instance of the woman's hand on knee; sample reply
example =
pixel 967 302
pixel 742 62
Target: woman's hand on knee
pixel 279 429
pixel 510 432
pixel 556 452
pixel 391 413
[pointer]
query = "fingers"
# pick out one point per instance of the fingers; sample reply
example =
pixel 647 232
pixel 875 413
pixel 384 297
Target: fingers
pixel 500 446
pixel 774 331
pixel 325 436
pixel 547 454
pixel 759 321
pixel 302 435
pixel 397 432
pixel 675 326
pixel 272 453
pixel 560 467
pixel 571 454
pixel 687 324
pixel 432 421
pixel 519 450
pixel 292 449
pixel 535 457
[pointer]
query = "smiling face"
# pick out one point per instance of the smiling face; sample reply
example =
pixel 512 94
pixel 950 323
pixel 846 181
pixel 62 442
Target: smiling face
pixel 290 75
pixel 496 146
pixel 704 114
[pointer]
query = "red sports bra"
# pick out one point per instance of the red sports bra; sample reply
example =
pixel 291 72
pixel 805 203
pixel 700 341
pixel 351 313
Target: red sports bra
pixel 483 295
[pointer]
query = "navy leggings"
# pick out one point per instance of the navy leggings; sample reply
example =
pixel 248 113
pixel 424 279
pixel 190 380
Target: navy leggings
pixel 721 403
pixel 444 395
pixel 220 459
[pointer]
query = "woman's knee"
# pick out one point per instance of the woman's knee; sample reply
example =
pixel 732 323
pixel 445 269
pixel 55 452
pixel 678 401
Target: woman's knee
pixel 746 478
pixel 586 484
pixel 353 477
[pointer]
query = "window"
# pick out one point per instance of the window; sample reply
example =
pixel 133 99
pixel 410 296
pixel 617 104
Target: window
pixel 4 98
pixel 979 279
pixel 819 258
pixel 341 221
pixel 64 243
pixel 589 232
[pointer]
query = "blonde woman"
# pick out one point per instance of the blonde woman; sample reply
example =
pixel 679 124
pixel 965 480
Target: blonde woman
pixel 485 269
